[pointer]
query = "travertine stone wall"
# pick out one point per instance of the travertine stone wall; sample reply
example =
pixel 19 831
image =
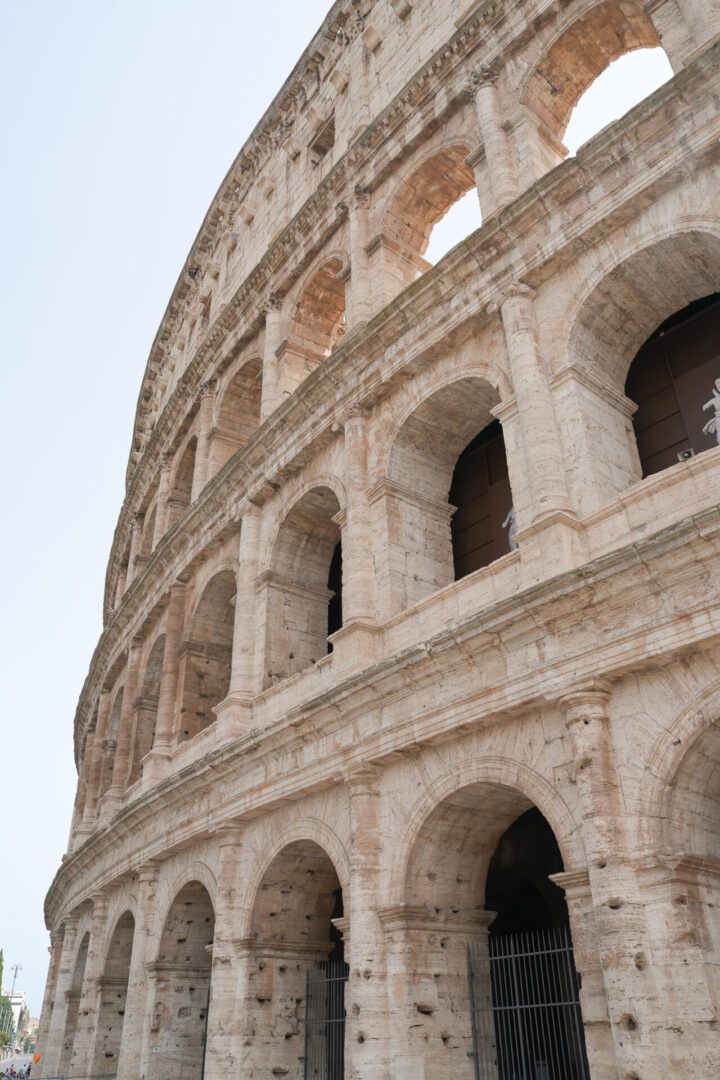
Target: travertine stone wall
pixel 247 799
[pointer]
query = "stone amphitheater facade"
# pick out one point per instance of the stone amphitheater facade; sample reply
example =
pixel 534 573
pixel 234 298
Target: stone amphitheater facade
pixel 329 731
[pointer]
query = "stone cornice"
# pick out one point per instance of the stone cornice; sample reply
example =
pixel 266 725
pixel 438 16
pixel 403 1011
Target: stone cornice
pixel 556 607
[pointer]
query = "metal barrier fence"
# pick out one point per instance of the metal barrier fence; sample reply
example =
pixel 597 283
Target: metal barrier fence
pixel 527 1023
pixel 325 1021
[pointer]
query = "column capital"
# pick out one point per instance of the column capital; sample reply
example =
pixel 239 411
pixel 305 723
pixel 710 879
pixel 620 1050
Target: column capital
pixel 100 902
pixel 363 779
pixel 71 922
pixel 361 198
pixel 485 75
pixel 516 290
pixel 587 701
pixel 147 874
pixel 229 834
pixel 272 305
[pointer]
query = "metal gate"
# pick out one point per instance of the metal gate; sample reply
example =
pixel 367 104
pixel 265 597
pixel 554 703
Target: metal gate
pixel 325 1021
pixel 526 1019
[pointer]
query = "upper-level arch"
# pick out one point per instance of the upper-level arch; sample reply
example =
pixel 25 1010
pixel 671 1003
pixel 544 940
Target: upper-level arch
pixel 430 541
pixel 316 324
pixel 207 654
pixel 577 54
pixel 424 195
pixel 237 412
pixel 630 295
pixel 146 708
pixel 297 587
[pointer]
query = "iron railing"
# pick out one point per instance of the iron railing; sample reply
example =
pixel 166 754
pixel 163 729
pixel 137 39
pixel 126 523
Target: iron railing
pixel 526 1019
pixel 325 1021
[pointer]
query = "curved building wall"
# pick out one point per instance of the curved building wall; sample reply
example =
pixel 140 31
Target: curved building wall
pixel 301 740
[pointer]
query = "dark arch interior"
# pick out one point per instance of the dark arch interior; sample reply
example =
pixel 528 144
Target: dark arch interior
pixel 672 380
pixel 533 983
pixel 335 617
pixel 518 886
pixel 480 490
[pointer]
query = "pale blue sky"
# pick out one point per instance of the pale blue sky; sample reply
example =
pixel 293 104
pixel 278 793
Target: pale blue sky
pixel 119 121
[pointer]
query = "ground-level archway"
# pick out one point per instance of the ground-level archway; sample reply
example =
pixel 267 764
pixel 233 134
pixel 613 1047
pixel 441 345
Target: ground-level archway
pixel 72 1013
pixel 182 975
pixel 478 890
pixel 113 997
pixel 294 1016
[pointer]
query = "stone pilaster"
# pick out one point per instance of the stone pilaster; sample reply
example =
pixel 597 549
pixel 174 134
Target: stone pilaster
pixel 619 916
pixel 136 536
pixel 76 832
pixel 55 951
pixel 234 713
pixel 201 476
pixel 112 799
pixel 680 895
pixel 143 949
pixel 95 771
pixel 162 516
pixel 359 302
pixel 365 1001
pixel 356 641
pixel 56 1032
pixel 222 1058
pixel 501 170
pixel 155 763
pixel 274 323
pixel 428 995
pixel 549 540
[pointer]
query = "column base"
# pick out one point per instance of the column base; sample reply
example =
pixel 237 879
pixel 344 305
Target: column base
pixel 155 766
pixel 234 716
pixel 553 544
pixel 356 645
pixel 111 804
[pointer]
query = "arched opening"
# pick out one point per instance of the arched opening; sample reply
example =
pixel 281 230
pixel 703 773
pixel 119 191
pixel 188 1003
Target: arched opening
pixel 623 84
pixel 238 415
pixel 483 524
pixel 675 382
pixel 424 203
pixel 449 448
pixel 113 997
pixel 534 988
pixel 295 1006
pixel 304 586
pixel 616 324
pixel 480 867
pixel 72 1013
pixel 316 327
pixel 110 741
pixel 582 53
pixel 146 708
pixel 182 986
pixel 207 655
pixel 181 491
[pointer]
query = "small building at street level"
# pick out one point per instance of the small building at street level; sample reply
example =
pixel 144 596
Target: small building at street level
pixel 399 753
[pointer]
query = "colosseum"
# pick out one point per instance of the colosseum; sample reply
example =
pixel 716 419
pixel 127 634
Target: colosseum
pixel 399 753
